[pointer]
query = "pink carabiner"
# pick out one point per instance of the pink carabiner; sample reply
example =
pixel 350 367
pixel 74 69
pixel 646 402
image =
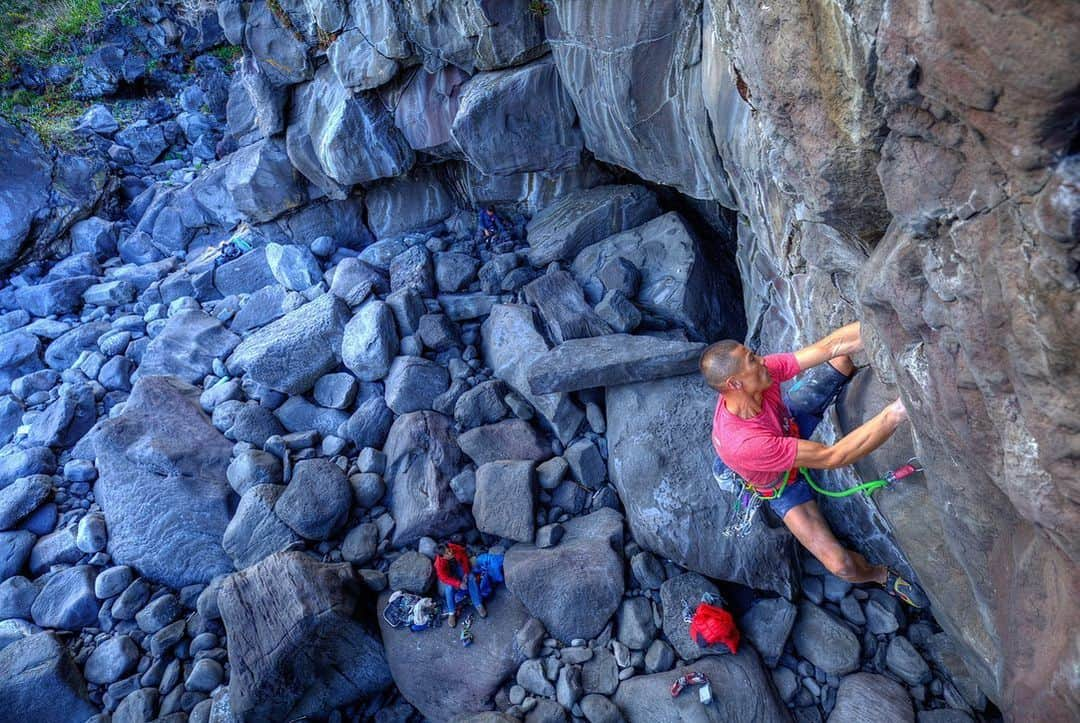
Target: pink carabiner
pixel 904 471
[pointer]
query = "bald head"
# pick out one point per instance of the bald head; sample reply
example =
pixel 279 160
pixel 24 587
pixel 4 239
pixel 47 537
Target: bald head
pixel 719 362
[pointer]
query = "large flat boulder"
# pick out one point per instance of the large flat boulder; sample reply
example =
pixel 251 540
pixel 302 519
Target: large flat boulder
pixel 660 458
pixel 678 282
pixel 496 484
pixel 498 132
pixel 408 203
pixel 472 37
pixel 511 343
pixel 295 648
pixel 162 484
pixel 426 108
pixel 59 296
pixel 508 439
pixel 20 353
pixel 742 691
pixel 187 346
pixel 356 62
pixel 575 586
pixel 40 682
pixel 280 51
pixel 290 354
pixel 428 666
pixel 255 531
pixel 605 361
pixel 421 459
pixel 66 420
pixel 577 220
pixel 825 641
pixel 244 275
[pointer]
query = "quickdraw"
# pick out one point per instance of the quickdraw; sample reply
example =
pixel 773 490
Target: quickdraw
pixel 905 470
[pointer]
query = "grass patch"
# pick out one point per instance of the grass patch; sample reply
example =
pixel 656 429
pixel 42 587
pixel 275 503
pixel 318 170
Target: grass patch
pixel 52 114
pixel 227 54
pixel 43 33
pixel 35 30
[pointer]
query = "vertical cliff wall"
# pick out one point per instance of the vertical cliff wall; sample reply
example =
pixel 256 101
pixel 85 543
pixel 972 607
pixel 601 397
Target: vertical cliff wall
pixel 911 165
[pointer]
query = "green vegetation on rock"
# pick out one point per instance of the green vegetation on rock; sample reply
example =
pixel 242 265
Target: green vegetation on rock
pixel 51 113
pixel 32 30
pixel 44 33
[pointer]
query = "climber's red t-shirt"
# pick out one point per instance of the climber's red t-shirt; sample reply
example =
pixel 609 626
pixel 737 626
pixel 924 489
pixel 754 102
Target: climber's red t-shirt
pixel 760 448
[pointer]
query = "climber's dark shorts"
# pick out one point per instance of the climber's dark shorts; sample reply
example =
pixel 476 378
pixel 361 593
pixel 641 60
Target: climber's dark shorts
pixel 795 494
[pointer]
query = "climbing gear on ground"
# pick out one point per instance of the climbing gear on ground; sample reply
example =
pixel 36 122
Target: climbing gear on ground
pixel 423 613
pixel 406 609
pixel 466 631
pixel 712 625
pixel 231 248
pixel 909 592
pixel 741 513
pixel 693 678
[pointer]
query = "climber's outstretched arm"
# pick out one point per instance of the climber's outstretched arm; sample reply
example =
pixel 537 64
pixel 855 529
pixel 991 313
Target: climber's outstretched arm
pixel 844 341
pixel 854 445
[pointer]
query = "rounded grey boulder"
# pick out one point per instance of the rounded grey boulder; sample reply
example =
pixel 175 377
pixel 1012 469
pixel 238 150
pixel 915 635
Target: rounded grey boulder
pixel 112 660
pixel 317 500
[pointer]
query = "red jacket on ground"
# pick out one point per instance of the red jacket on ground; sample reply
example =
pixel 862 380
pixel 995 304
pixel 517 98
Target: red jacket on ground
pixel 445 571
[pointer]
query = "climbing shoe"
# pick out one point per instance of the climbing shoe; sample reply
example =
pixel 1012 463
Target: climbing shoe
pixel 481 611
pixel 909 592
pixel 452 620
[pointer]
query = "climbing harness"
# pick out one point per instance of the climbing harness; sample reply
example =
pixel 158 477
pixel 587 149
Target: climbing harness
pixel 749 499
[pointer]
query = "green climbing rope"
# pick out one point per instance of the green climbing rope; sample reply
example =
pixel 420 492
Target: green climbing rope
pixel 866 487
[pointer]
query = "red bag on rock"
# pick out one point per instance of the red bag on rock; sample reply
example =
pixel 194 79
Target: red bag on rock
pixel 711 625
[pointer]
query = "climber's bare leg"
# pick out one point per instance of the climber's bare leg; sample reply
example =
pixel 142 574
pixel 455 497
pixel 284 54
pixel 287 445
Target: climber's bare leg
pixel 810 528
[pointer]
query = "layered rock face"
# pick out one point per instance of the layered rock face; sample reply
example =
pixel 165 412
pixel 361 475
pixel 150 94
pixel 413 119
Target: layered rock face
pixel 923 183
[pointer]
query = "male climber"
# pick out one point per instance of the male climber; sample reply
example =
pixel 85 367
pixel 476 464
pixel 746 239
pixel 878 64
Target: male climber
pixel 761 433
